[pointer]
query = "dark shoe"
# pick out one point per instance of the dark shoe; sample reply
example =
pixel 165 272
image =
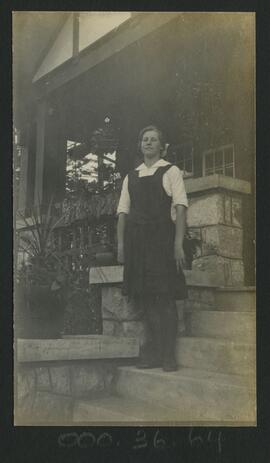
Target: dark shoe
pixel 169 365
pixel 147 363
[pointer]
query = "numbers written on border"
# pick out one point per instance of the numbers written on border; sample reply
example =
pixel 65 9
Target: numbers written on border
pixel 85 440
pixel 89 440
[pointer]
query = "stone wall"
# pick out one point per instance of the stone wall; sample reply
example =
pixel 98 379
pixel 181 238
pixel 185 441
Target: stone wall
pixel 122 317
pixel 51 374
pixel 215 221
pixel 46 392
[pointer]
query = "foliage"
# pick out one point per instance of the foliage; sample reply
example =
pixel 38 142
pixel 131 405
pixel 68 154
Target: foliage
pixel 43 265
pixel 91 166
pixel 93 207
pixel 104 139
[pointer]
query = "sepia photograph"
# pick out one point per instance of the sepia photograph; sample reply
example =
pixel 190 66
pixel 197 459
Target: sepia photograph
pixel 134 166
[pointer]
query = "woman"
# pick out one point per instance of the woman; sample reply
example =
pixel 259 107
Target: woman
pixel 151 227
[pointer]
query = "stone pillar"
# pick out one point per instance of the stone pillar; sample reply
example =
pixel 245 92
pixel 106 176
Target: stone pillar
pixel 215 219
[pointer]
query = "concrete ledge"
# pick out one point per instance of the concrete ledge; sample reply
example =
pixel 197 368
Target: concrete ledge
pixel 90 347
pixel 216 181
pixel 250 289
pixel 204 278
pixel 106 275
pixel 114 274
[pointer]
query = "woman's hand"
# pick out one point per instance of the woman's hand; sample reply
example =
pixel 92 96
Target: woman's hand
pixel 179 255
pixel 120 254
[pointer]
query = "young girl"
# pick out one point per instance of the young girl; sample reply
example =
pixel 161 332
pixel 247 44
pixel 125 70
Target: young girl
pixel 151 227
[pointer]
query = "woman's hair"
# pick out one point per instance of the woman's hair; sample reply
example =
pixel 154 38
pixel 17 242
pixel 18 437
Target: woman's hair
pixel 147 129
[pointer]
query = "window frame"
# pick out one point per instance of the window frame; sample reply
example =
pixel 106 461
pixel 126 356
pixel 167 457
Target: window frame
pixel 224 165
pixel 186 174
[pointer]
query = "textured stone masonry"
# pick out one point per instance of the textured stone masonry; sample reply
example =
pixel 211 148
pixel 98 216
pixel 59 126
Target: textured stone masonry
pixel 47 392
pixel 221 271
pixel 52 374
pixel 120 316
pixel 215 208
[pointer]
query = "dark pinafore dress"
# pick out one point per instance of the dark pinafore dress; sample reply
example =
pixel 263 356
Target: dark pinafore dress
pixel 150 267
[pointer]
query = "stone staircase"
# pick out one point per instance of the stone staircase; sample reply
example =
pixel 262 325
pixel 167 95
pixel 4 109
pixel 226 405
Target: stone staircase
pixel 215 381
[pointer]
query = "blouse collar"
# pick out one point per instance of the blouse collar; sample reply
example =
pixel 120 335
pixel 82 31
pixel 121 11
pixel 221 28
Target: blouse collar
pixel 160 163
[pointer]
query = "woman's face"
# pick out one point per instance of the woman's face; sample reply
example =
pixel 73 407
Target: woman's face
pixel 150 145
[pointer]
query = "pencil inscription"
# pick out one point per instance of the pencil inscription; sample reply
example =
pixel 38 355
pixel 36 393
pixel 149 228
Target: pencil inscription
pixel 196 439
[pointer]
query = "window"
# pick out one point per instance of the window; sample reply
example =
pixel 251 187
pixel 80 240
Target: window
pixel 219 161
pixel 182 156
pixel 88 171
pixel 91 166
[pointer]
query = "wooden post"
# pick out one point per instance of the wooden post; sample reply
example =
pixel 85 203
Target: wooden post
pixel 40 152
pixel 100 172
pixel 50 153
pixel 22 197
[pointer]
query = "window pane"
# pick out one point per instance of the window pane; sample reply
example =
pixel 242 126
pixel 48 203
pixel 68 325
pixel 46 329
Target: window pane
pixel 229 155
pixel 181 165
pixel 229 171
pixel 209 161
pixel 180 161
pixel 218 158
pixel 188 157
pixel 219 170
pixel 188 165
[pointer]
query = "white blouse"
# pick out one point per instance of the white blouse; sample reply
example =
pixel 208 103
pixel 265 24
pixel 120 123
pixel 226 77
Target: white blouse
pixel 172 181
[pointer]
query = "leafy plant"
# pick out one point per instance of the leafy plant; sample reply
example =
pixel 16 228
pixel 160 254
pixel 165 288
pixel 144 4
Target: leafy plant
pixel 43 265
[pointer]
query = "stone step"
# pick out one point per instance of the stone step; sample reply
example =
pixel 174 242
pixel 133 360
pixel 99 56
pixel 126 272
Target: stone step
pixel 117 410
pixel 218 355
pixel 196 395
pixel 238 298
pixel 240 326
pixel 77 347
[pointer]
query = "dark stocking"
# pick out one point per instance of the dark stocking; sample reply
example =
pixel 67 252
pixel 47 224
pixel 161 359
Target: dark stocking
pixel 169 319
pixel 151 351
